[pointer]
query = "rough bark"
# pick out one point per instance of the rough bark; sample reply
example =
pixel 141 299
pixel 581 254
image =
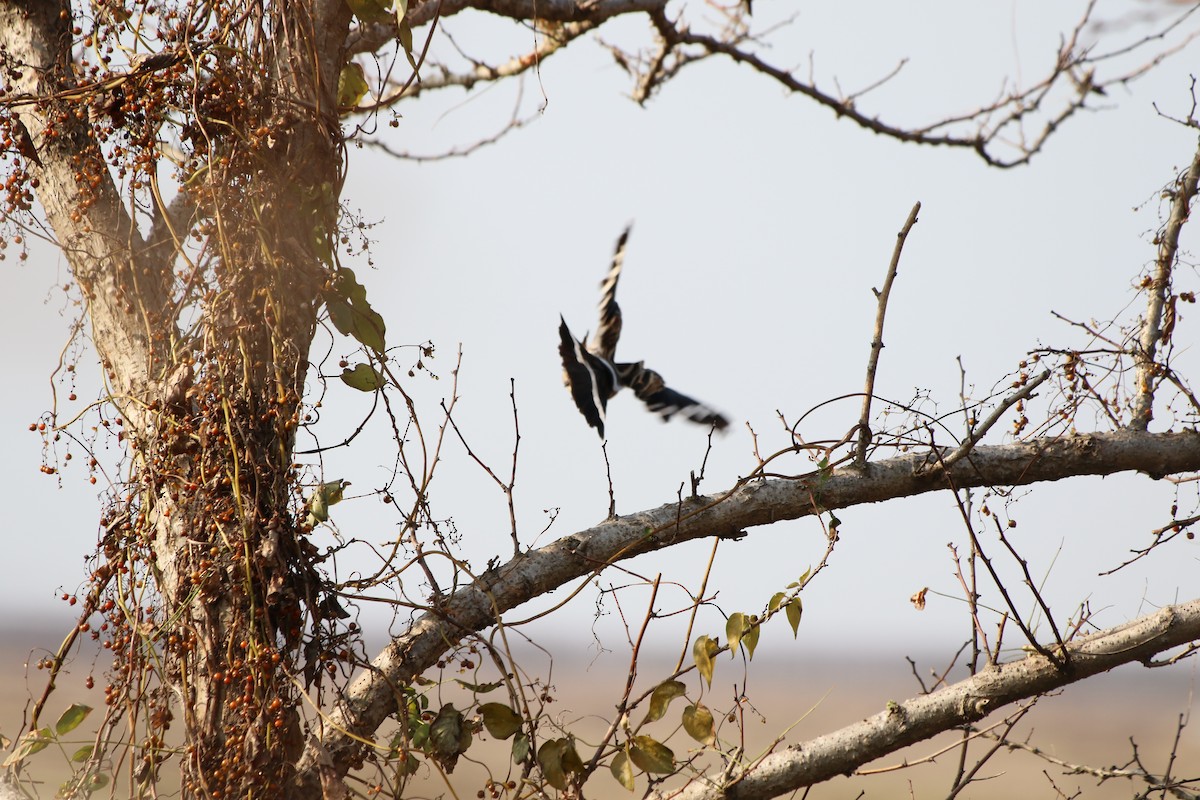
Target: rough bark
pixel 209 413
pixel 372 697
pixel 126 292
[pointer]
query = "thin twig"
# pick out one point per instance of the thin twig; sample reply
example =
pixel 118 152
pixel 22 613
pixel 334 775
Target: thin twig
pixel 1037 594
pixel 972 594
pixel 1059 660
pixel 980 430
pixel 612 497
pixel 512 477
pixel 864 420
pixel 624 706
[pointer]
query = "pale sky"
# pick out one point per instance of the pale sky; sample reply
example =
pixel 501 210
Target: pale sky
pixel 761 224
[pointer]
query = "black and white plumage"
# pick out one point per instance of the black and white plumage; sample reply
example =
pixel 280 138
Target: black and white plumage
pixel 592 373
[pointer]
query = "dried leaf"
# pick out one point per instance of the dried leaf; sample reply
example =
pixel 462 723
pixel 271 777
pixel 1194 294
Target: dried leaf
pixel 352 86
pixel 699 723
pixel 702 653
pixel 661 697
pixel 651 755
pixel 622 770
pixel 794 610
pixel 363 377
pixel 735 626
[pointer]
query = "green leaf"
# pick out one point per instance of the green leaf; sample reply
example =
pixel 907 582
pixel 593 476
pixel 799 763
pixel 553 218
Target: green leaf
pixel 549 758
pixel 70 719
pixel 570 759
pixel 661 697
pixel 702 653
pixel 735 626
pixel 82 754
pixel 699 724
pixel 404 32
pixel 350 312
pixel 449 737
pixel 400 9
pixel 347 286
pixel 776 599
pixel 446 732
pixel 750 637
pixel 419 730
pixel 363 377
pixel 480 688
pixel 650 755
pixel 340 313
pixel 500 720
pixel 520 748
pixel 371 10
pixel 369 328
pixel 325 495
pixel 557 759
pixel 793 610
pixel 622 769
pixel 352 86
pixel 409 763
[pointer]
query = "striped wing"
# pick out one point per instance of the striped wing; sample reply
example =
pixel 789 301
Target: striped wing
pixel 604 341
pixel 591 379
pixel 649 387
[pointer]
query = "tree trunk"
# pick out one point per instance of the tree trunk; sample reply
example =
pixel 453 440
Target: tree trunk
pixel 205 349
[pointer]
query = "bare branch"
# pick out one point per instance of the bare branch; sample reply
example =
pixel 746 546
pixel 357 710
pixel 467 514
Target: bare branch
pixel 752 502
pixel 864 420
pixel 967 701
pixel 548 44
pixel 1158 288
pixel 978 432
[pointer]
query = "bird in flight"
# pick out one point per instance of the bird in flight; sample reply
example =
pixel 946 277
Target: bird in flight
pixel 592 373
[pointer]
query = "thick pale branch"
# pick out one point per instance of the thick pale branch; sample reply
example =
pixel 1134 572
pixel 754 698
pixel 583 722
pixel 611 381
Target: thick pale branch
pixel 126 292
pixel 372 697
pixel 1152 326
pixel 902 724
pixel 371 38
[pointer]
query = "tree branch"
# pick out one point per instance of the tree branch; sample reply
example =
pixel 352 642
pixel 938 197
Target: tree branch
pixel 1158 288
pixel 127 293
pixel 372 697
pixel 864 421
pixel 967 701
pixel 372 38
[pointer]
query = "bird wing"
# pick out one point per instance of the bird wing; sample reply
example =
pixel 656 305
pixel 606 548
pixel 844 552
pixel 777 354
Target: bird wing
pixel 604 341
pixel 649 387
pixel 591 379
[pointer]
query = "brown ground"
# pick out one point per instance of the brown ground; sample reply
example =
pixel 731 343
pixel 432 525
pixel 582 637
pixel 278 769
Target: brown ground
pixel 1091 723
